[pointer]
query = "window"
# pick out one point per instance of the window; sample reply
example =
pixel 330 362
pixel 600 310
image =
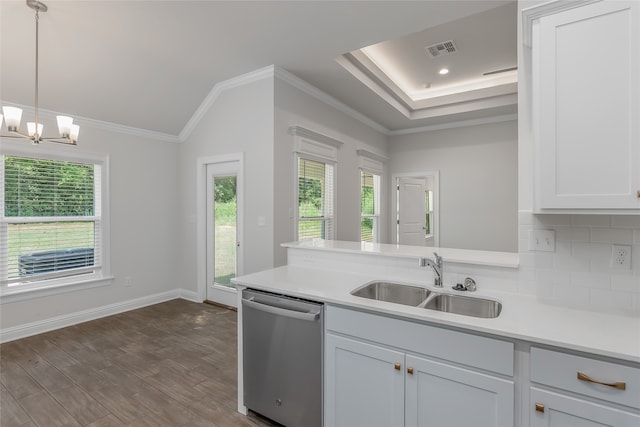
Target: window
pixel 51 220
pixel 429 213
pixel 369 206
pixel 315 199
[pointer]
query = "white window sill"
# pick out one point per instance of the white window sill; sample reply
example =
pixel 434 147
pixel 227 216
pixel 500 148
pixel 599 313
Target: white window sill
pixel 21 292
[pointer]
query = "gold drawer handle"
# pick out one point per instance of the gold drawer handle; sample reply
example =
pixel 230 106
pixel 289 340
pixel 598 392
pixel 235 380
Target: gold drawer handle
pixel 410 371
pixel 618 385
pixel 396 366
pixel 539 407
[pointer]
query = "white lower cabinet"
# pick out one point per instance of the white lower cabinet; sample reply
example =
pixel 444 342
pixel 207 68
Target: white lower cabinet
pixel 390 382
pixel 577 391
pixel 560 410
pixel 364 384
pixel 438 394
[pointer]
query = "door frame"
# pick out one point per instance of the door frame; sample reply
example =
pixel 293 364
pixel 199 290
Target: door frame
pixel 201 216
pixel 435 175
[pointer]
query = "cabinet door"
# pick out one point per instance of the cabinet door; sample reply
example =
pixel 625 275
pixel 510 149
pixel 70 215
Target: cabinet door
pixel 586 74
pixel 364 384
pixel 442 395
pixel 559 410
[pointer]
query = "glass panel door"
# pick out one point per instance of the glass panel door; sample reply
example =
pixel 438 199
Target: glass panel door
pixel 223 233
pixel 225 223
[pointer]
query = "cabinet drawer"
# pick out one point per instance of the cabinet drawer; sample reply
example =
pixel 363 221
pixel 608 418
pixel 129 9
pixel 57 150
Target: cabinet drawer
pixel 459 347
pixel 562 370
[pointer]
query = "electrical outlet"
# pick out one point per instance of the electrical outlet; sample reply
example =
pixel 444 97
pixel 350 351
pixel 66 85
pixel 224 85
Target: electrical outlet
pixel 542 240
pixel 128 282
pixel 621 257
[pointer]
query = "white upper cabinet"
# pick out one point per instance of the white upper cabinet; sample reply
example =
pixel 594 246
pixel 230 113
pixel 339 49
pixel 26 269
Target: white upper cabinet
pixel 586 115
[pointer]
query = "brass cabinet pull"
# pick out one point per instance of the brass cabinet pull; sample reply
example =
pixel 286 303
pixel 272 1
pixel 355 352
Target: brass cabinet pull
pixel 539 407
pixel 410 371
pixel 618 385
pixel 396 366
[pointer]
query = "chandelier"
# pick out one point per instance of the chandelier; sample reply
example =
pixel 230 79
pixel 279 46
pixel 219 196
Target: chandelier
pixel 12 115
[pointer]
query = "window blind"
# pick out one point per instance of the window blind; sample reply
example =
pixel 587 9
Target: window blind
pixel 50 219
pixel 315 199
pixel 369 206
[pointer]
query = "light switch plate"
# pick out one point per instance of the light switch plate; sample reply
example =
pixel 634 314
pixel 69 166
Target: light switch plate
pixel 542 240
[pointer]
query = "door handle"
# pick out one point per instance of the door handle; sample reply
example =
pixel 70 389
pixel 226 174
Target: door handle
pixel 309 316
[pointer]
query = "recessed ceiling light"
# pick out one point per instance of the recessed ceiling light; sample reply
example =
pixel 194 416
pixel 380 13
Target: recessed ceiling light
pixel 443 71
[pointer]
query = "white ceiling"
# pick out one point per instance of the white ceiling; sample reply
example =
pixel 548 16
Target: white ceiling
pixel 150 64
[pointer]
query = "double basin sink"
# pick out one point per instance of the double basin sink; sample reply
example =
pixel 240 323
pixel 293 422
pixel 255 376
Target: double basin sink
pixel 415 296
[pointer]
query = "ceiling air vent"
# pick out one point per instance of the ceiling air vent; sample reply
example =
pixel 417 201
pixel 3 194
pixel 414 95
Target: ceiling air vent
pixel 441 49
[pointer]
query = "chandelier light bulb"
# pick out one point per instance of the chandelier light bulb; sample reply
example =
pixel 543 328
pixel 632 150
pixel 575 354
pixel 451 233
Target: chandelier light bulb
pixel 31 129
pixel 64 125
pixel 12 117
pixel 75 130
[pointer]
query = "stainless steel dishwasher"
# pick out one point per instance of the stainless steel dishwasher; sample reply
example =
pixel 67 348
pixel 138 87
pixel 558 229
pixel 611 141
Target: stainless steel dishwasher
pixel 282 358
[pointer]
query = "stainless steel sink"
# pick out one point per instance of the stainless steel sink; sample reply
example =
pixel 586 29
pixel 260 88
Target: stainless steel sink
pixel 467 306
pixel 398 293
pixel 417 296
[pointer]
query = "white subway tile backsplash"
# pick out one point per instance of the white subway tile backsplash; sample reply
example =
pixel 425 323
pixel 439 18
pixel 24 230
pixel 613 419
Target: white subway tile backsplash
pixel 612 300
pixel 622 236
pixel 570 263
pixel 574 234
pixel 581 249
pixel 591 220
pixel 573 296
pixel 625 282
pixel 554 277
pixel 580 273
pixel 591 280
pixel 547 220
pixel 631 221
pixel 563 247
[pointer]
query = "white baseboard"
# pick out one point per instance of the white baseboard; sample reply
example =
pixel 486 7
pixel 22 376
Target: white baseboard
pixel 46 325
pixel 190 295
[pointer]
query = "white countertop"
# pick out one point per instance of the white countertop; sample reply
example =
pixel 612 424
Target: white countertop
pixel 522 317
pixel 463 256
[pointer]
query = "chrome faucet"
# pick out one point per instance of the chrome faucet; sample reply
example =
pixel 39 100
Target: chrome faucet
pixel 436 265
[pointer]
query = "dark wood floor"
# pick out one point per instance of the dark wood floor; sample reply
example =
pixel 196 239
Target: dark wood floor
pixel 170 364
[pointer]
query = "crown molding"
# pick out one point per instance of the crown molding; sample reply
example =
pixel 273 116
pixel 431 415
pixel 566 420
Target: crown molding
pixel 381 88
pixel 99 124
pixel 313 91
pixel 220 87
pixel 454 125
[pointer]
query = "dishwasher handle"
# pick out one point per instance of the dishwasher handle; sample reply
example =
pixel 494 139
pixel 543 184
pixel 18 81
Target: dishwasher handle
pixel 311 316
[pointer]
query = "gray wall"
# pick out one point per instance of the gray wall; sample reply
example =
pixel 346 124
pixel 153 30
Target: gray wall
pixel 144 214
pixel 293 107
pixel 478 181
pixel 240 120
